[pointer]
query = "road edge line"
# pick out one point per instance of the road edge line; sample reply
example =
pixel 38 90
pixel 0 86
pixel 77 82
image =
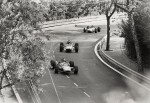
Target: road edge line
pixel 54 86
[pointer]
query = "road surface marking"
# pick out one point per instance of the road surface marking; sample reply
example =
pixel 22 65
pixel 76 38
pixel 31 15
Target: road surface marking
pixel 67 76
pixel 62 86
pixel 87 94
pixel 45 84
pixel 54 86
pixel 53 56
pixel 53 52
pixel 71 87
pixel 75 84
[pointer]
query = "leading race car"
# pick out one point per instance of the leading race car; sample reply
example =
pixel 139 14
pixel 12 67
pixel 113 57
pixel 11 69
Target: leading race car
pixel 91 29
pixel 69 47
pixel 64 67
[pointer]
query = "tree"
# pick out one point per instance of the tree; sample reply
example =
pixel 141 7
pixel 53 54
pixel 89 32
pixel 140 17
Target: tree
pixel 130 9
pixel 70 9
pixel 109 9
pixel 21 52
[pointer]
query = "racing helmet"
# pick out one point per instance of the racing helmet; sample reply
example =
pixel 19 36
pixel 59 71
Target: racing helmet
pixel 68 41
pixel 63 60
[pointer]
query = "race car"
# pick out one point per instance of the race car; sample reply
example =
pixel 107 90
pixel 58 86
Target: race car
pixel 91 29
pixel 64 67
pixel 69 47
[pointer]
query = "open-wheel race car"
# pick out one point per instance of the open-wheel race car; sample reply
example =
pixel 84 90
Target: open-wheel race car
pixel 64 67
pixel 91 29
pixel 69 47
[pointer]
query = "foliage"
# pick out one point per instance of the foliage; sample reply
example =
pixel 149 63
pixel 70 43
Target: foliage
pixel 126 32
pixel 142 25
pixel 70 9
pixel 109 6
pixel 21 50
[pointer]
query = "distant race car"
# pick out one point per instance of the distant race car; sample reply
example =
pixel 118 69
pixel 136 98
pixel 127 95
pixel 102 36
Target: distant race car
pixel 69 47
pixel 91 29
pixel 64 67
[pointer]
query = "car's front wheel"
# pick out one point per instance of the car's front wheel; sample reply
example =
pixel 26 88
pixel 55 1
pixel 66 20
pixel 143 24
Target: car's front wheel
pixel 95 30
pixel 75 70
pixel 53 64
pixel 76 47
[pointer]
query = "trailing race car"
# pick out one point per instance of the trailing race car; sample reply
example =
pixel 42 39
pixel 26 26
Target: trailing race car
pixel 91 29
pixel 64 66
pixel 69 47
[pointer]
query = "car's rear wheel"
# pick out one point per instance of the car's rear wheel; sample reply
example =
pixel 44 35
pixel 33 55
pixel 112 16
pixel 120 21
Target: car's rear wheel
pixel 71 64
pixel 76 70
pixel 98 29
pixel 61 47
pixel 53 64
pixel 84 30
pixel 76 47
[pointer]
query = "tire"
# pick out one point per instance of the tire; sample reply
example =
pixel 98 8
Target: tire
pixel 71 64
pixel 76 47
pixel 61 47
pixel 84 30
pixel 53 64
pixel 98 29
pixel 76 70
pixel 56 69
pixel 95 30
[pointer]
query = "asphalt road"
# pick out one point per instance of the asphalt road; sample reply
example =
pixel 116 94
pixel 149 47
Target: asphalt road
pixel 95 81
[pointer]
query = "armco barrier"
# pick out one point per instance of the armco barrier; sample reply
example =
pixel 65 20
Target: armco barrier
pixel 34 91
pixel 14 89
pixel 70 20
pixel 66 22
pixel 98 49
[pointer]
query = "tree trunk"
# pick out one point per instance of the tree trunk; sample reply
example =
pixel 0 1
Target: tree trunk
pixel 136 43
pixel 108 34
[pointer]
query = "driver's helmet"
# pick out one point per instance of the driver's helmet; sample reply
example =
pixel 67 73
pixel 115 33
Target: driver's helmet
pixel 63 60
pixel 68 41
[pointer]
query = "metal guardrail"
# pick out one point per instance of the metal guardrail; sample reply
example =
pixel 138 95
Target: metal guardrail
pixel 14 89
pixel 124 70
pixel 30 84
pixel 138 75
pixel 70 20
pixel 66 22
pixel 34 91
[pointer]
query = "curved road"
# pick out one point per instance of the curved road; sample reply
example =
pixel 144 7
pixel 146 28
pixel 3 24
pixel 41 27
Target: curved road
pixel 95 82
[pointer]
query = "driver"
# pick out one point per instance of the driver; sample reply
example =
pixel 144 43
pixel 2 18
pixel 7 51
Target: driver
pixel 63 61
pixel 68 42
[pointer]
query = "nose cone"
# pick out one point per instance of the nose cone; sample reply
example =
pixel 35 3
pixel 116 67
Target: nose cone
pixel 67 69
